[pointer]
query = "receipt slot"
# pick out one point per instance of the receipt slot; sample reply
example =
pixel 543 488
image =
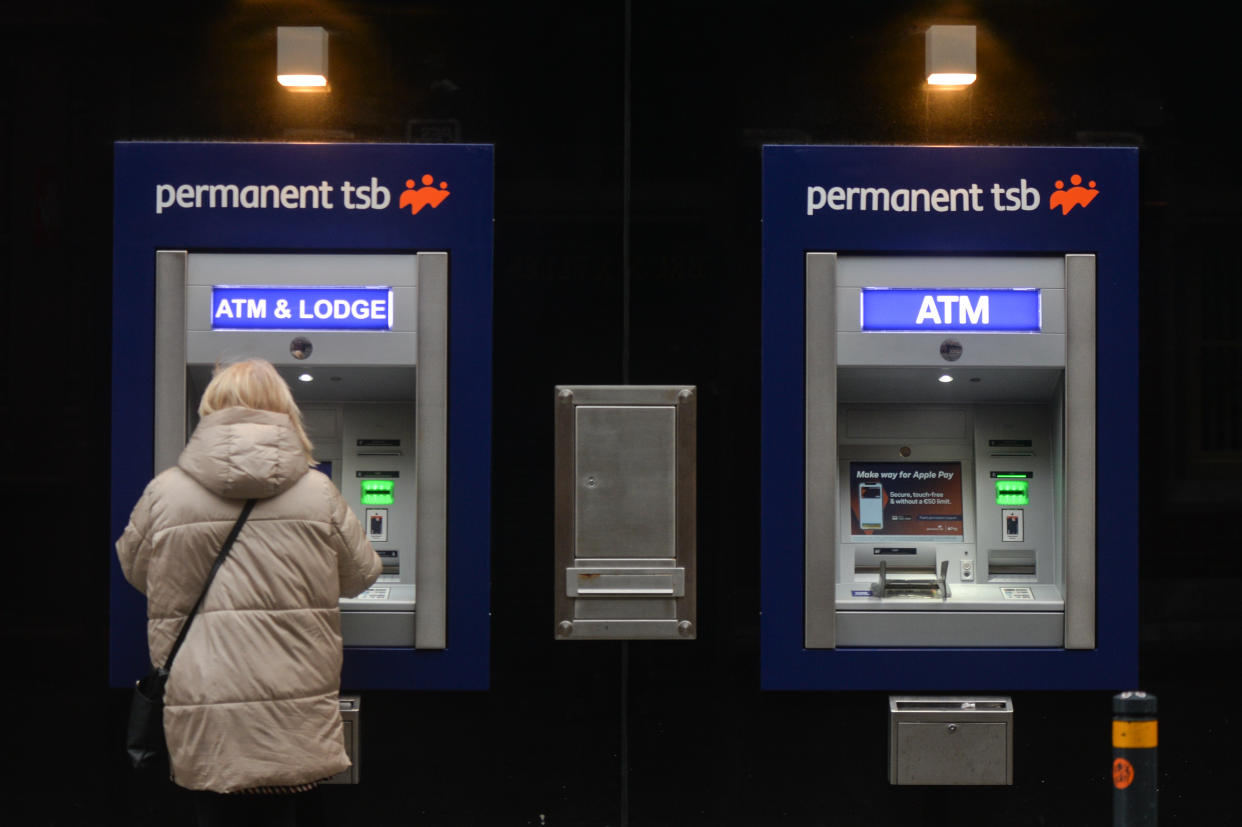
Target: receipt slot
pixel 363 273
pixel 949 413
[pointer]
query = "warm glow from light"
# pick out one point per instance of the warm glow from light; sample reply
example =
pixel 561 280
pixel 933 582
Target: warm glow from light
pixel 950 79
pixel 317 83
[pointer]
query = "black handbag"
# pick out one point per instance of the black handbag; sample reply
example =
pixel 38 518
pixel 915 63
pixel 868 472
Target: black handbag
pixel 144 739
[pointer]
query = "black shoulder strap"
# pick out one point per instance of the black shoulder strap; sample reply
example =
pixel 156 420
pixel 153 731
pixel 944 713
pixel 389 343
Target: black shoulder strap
pixel 224 552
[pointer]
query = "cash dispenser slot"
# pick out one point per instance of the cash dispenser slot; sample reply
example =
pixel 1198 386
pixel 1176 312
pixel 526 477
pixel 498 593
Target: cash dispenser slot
pixel 933 586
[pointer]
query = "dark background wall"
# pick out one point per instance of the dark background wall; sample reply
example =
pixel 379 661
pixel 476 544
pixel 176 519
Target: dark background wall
pixel 627 247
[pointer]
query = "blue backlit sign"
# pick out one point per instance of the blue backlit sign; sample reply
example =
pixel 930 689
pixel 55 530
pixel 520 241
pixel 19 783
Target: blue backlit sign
pixel 918 309
pixel 301 308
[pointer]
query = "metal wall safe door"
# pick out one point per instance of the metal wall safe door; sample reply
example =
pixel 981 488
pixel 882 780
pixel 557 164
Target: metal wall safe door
pixel 625 491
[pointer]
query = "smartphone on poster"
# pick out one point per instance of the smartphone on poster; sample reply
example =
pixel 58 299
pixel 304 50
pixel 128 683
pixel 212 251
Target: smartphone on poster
pixel 870 505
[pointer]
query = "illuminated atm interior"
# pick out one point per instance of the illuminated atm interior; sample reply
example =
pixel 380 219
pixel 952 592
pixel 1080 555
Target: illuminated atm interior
pixel 958 460
pixel 358 390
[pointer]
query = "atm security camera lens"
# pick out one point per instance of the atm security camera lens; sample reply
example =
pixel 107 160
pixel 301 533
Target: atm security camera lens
pixel 951 350
pixel 301 347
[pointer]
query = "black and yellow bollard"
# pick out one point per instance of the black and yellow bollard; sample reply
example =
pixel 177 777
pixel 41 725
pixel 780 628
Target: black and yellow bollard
pixel 1135 784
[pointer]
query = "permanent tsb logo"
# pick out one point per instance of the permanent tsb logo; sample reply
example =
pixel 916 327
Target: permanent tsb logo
pixel 1019 196
pixel 425 196
pixel 324 195
pixel 1076 196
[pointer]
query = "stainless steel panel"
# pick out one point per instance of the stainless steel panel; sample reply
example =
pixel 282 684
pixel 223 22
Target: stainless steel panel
pixel 626 608
pixel 1033 350
pixel 631 629
pixel 949 629
pixel 565 488
pixel 627 394
pixel 431 436
pixel 951 271
pixel 1080 474
pixel 669 582
pixel 324 269
pixel 170 358
pixel 961 741
pixel 952 753
pixel 915 385
pixel 333 383
pixel 379 628
pixel 342 347
pixel 625 512
pixel 626 481
pixel 905 423
pixel 820 435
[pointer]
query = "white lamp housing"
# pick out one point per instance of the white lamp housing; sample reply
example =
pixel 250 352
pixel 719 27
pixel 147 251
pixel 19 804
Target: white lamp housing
pixel 950 55
pixel 302 58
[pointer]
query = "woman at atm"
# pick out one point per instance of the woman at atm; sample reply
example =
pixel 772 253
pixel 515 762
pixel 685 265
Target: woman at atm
pixel 251 700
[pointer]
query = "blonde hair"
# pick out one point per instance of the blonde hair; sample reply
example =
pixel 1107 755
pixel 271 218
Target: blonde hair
pixel 254 384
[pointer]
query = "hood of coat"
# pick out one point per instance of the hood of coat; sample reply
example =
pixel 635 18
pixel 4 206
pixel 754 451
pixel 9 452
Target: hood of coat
pixel 240 454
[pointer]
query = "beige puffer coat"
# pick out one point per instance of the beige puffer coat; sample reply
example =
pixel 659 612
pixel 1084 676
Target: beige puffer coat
pixel 252 697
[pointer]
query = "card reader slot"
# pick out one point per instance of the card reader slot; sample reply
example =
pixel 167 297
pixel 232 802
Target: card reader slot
pixel 900 559
pixel 895 568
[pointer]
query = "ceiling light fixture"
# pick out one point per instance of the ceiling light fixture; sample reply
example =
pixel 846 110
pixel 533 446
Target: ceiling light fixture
pixel 950 55
pixel 302 58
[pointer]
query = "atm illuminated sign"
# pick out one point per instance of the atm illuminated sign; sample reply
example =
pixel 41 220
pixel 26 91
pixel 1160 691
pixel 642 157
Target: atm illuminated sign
pixel 921 309
pixel 301 308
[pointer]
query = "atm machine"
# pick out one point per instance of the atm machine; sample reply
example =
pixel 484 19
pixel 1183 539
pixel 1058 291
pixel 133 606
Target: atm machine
pixel 951 474
pixel 949 418
pixel 363 273
pixel 360 339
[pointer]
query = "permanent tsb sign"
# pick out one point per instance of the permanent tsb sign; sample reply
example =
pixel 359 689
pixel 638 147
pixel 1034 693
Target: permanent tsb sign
pixel 308 196
pixel 339 200
pixel 946 204
pixel 949 199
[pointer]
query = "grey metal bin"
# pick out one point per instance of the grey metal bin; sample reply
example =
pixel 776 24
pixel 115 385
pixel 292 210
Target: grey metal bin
pixel 950 740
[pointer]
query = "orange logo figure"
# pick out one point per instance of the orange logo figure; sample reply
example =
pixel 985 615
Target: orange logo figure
pixel 418 197
pixel 1075 196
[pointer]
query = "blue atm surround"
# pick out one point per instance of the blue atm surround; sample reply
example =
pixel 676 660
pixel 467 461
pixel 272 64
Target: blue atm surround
pixel 807 207
pixel 154 209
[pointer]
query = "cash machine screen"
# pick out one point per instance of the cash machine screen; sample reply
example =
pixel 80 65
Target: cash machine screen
pixel 916 500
